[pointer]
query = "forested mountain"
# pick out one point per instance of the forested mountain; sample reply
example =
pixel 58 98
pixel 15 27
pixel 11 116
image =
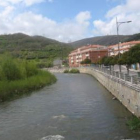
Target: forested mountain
pixel 105 40
pixel 31 47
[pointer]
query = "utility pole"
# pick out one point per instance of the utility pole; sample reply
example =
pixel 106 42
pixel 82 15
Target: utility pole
pixel 118 25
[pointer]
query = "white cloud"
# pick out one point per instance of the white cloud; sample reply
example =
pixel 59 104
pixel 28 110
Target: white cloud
pixel 25 2
pixel 34 24
pixel 128 11
pixel 6 11
pixel 83 17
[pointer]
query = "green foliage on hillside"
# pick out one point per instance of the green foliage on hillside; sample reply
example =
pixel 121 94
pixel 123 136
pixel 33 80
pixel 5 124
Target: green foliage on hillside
pixel 105 40
pixel 32 47
pixel 134 37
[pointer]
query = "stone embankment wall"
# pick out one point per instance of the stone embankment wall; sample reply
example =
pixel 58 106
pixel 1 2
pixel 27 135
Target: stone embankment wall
pixel 128 94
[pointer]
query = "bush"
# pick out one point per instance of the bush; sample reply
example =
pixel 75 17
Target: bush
pixel 66 71
pixel 10 70
pixel 16 69
pixel 31 69
pixel 44 64
pixel 18 77
pixel 74 71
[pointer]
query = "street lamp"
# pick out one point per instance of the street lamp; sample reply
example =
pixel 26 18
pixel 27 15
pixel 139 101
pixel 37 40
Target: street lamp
pixel 118 25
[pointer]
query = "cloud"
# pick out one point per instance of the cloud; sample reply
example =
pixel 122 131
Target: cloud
pixel 125 12
pixel 83 17
pixel 36 24
pixel 25 2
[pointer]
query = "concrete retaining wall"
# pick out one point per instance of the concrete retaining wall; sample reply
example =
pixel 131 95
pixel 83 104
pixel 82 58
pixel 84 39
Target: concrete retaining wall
pixel 125 92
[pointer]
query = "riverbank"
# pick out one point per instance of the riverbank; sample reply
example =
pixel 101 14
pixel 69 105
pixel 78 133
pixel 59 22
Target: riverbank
pixel 126 92
pixel 13 89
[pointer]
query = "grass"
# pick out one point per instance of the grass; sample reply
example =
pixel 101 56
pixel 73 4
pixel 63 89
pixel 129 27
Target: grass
pixel 134 123
pixel 14 89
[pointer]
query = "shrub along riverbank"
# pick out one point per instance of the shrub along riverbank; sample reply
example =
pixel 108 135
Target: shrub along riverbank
pixel 72 71
pixel 19 77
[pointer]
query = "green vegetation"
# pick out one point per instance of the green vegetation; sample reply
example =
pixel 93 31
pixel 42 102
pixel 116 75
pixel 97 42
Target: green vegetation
pixel 134 37
pixel 43 63
pixel 134 123
pixel 66 71
pixel 18 77
pixel 105 40
pixel 72 71
pixel 127 58
pixel 86 61
pixel 19 69
pixel 33 47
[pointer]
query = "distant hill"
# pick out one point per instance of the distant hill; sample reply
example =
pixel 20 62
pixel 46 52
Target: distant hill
pixel 30 47
pixel 105 40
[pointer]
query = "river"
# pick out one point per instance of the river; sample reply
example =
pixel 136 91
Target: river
pixel 77 107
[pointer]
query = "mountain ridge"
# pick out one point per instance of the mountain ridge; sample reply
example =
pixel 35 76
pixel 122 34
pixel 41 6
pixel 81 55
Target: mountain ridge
pixel 31 47
pixel 105 40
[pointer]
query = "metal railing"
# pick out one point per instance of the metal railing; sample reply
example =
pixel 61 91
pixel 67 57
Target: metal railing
pixel 133 79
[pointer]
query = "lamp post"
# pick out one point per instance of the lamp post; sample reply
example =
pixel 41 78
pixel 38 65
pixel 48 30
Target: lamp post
pixel 118 25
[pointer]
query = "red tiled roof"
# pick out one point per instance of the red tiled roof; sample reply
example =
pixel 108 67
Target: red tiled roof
pixel 84 49
pixel 125 43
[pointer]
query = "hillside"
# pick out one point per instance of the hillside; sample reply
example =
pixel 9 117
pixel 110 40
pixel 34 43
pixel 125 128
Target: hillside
pixel 31 47
pixel 38 47
pixel 105 40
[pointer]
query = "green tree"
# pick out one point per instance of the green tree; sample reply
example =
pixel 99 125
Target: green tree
pixel 134 53
pixel 86 61
pixel 127 60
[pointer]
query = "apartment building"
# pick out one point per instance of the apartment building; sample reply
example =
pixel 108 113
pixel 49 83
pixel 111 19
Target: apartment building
pixel 113 50
pixel 92 52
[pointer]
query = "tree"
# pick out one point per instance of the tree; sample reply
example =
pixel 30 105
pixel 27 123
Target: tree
pixel 86 61
pixel 134 53
pixel 127 60
pixel 102 61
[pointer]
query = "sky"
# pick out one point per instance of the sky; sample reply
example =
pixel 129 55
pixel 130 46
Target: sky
pixel 69 20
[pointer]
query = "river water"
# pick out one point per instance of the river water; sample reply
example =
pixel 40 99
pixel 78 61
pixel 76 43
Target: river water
pixel 77 107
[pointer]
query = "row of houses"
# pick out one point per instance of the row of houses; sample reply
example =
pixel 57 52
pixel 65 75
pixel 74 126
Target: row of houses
pixel 96 52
